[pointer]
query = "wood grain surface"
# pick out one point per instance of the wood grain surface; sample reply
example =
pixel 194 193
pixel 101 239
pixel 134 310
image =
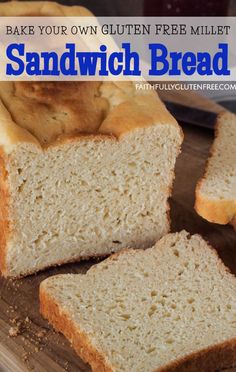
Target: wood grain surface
pixel 36 346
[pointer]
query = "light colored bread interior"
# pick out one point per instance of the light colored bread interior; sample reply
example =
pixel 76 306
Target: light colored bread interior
pixel 149 310
pixel 88 166
pixel 216 191
pixel 88 197
pixel 77 188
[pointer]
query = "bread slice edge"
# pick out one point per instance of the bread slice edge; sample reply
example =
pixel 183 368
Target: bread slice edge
pixel 216 211
pixel 80 342
pixel 222 355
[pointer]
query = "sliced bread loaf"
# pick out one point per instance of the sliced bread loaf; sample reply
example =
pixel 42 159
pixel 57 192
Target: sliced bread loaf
pixel 86 167
pixel 216 191
pixel 87 193
pixel 168 308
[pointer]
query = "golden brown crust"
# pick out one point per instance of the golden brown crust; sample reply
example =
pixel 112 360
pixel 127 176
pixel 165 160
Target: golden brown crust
pixel 46 110
pixel 79 340
pixel 216 211
pixel 210 359
pixel 50 109
pixel 137 112
pixel 4 222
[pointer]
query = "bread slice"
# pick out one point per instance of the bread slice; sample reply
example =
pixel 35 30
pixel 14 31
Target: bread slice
pixel 168 308
pixel 216 191
pixel 86 167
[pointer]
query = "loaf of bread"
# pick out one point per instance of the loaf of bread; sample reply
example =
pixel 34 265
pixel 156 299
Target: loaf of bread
pixel 86 168
pixel 216 191
pixel 168 308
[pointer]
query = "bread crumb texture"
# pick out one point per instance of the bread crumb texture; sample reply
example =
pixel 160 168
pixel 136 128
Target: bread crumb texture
pixel 216 191
pixel 88 166
pixel 89 194
pixel 168 308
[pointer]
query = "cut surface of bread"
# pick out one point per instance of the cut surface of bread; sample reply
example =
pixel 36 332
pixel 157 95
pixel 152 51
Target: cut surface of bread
pixel 86 168
pixel 171 307
pixel 216 191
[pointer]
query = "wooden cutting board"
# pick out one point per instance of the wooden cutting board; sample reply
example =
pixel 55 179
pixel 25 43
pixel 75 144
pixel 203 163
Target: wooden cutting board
pixel 35 345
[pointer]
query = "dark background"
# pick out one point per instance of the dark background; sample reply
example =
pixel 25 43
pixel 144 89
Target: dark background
pixel 156 7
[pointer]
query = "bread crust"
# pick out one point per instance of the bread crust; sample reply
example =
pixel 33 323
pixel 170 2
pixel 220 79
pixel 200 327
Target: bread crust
pixel 79 340
pixel 216 211
pixel 137 112
pixel 4 215
pixel 105 108
pixel 207 360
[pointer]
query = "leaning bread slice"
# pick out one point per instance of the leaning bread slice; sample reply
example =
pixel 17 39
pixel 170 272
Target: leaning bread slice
pixel 168 308
pixel 216 191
